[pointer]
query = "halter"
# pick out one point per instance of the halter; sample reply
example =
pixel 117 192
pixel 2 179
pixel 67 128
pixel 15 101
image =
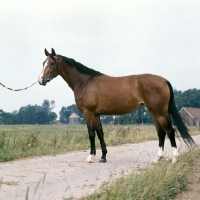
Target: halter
pixel 55 66
pixel 53 58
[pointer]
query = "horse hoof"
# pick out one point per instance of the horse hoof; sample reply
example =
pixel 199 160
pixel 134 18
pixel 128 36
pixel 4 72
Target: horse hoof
pixel 102 160
pixel 88 161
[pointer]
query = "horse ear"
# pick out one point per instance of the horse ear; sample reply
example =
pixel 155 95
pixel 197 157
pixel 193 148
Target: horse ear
pixel 46 52
pixel 53 52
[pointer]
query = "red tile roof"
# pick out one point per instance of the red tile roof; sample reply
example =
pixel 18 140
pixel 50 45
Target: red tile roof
pixel 74 115
pixel 193 112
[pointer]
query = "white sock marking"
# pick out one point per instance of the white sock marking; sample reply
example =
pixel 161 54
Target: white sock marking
pixel 175 151
pixel 175 154
pixel 89 158
pixel 160 154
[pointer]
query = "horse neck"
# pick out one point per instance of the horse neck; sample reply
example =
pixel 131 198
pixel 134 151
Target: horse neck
pixel 72 76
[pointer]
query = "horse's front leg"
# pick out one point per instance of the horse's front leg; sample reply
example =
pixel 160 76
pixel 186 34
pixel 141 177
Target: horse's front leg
pixel 91 131
pixel 100 134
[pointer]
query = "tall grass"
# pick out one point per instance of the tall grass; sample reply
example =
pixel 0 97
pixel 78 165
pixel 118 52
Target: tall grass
pixel 25 141
pixel 161 182
pixel 18 141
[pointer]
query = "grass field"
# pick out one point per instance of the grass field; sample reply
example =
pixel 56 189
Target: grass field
pixel 22 141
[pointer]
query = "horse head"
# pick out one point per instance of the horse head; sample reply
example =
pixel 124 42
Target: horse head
pixel 50 67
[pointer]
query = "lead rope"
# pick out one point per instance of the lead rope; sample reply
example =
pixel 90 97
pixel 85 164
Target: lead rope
pixel 18 89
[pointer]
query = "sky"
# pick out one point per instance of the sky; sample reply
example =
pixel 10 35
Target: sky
pixel 114 37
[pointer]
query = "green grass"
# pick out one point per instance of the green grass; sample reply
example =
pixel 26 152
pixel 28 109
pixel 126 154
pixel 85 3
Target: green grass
pixel 26 141
pixel 160 182
pixel 22 141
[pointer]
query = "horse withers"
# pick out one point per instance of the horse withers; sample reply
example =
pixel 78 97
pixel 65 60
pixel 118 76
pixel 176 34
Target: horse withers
pixel 99 94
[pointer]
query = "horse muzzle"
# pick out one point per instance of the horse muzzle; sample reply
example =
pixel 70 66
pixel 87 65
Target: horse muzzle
pixel 43 81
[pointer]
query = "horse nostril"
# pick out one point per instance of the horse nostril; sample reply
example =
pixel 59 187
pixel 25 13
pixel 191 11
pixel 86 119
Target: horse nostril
pixel 44 82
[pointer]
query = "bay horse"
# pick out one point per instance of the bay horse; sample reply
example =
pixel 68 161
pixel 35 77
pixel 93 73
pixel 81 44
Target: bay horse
pixel 99 94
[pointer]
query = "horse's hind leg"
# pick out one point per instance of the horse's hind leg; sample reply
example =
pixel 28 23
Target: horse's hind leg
pixel 100 134
pixel 167 127
pixel 161 136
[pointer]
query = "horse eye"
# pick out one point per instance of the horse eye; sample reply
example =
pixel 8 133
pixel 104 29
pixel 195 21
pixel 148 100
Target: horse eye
pixel 51 64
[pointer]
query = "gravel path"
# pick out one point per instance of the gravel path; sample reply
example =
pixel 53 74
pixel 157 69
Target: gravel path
pixel 63 176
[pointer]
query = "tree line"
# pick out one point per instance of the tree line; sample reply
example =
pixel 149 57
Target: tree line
pixel 43 114
pixel 30 114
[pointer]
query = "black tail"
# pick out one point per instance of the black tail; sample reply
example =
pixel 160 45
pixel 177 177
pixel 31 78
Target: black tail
pixel 177 119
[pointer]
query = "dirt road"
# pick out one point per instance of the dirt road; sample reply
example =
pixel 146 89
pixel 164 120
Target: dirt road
pixel 69 175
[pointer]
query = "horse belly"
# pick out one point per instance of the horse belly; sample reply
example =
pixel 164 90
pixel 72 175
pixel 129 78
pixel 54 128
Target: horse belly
pixel 117 106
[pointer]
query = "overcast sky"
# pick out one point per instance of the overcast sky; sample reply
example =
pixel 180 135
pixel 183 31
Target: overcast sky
pixel 114 37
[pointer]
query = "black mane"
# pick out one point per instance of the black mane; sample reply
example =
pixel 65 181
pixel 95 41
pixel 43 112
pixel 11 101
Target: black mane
pixel 81 67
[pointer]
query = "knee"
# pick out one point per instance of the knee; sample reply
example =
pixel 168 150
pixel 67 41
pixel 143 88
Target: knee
pixel 91 137
pixel 91 134
pixel 100 133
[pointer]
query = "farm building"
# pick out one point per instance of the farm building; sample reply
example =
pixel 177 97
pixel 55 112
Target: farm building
pixel 190 116
pixel 73 119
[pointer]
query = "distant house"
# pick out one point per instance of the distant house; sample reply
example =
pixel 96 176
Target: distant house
pixel 190 116
pixel 73 119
